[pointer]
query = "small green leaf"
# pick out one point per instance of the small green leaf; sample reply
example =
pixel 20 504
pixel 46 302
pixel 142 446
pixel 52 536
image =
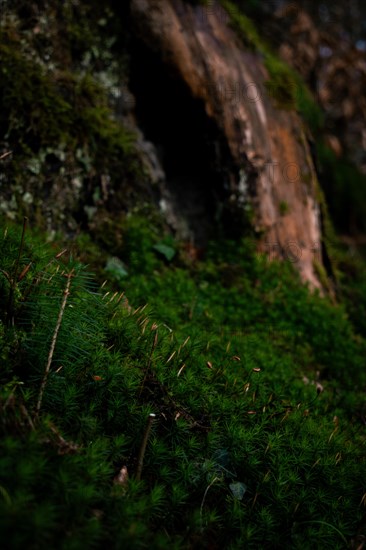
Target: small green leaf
pixel 167 251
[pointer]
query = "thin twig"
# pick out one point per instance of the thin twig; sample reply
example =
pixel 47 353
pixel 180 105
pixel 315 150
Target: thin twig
pixel 204 498
pixel 140 460
pixel 6 154
pixel 54 340
pixel 26 415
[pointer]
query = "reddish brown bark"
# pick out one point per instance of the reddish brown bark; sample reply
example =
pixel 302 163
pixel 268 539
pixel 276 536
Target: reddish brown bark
pixel 264 140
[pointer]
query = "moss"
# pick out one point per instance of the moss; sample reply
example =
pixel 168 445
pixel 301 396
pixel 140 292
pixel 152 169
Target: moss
pixel 345 190
pixel 322 276
pixel 58 116
pixel 285 86
pixel 256 384
pixel 34 111
pixel 282 86
pixel 245 25
pixel 43 110
pixel 307 178
pixel 284 208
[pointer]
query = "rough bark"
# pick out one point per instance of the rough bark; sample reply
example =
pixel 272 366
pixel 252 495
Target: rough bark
pixel 271 166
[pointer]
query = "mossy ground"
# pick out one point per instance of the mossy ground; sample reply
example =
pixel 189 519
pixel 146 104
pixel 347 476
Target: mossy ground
pixel 257 386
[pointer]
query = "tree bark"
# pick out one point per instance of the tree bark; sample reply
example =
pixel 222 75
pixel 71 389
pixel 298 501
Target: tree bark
pixel 271 166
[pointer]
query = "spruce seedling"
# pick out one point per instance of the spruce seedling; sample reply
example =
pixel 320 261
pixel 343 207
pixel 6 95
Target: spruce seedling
pixel 54 340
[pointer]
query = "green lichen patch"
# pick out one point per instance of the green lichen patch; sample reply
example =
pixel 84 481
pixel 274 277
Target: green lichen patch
pixel 59 81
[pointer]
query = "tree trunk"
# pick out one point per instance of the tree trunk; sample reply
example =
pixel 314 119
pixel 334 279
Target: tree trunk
pixel 191 54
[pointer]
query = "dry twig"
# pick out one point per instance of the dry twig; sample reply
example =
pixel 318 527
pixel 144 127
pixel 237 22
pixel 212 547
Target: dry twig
pixel 54 340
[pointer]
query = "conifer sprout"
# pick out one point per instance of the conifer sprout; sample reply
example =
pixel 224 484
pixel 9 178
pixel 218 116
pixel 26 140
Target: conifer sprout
pixel 54 340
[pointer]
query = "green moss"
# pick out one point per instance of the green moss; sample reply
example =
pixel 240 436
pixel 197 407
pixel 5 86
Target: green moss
pixel 345 190
pixel 307 106
pixel 284 208
pixel 34 110
pixel 41 110
pixel 322 275
pixel 285 86
pixel 246 26
pixel 282 86
pixel 231 356
pixel 58 116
